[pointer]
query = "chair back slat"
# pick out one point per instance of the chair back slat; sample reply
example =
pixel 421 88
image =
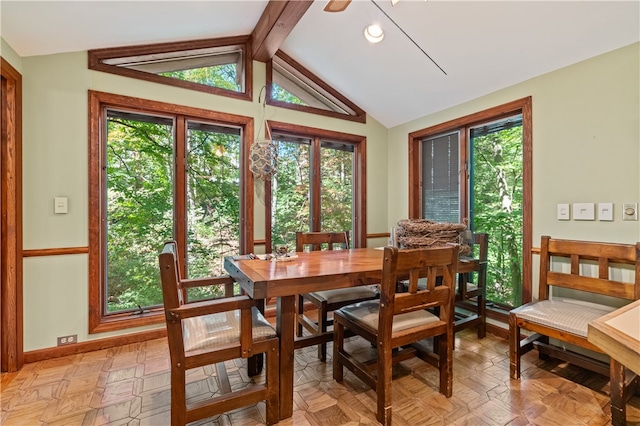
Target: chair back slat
pixel 170 277
pixel 319 240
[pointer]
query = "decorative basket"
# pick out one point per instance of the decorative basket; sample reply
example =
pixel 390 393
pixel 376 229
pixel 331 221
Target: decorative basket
pixel 416 233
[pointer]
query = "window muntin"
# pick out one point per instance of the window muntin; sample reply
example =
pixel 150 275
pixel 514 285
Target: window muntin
pixel 207 146
pixel 219 66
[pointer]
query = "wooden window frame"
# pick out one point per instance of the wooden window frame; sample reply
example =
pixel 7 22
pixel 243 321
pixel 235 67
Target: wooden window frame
pixel 97 56
pixel 98 102
pixel 359 236
pixel 11 286
pixel 359 115
pixel 520 106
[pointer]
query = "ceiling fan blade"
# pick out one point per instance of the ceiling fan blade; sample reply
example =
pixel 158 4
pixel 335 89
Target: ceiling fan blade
pixel 336 5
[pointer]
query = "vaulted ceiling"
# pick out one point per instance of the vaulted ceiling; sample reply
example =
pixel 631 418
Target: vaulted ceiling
pixel 435 53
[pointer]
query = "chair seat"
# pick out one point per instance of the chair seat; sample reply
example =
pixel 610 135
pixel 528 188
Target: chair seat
pixel 215 330
pixel 568 315
pixel 367 314
pixel 345 294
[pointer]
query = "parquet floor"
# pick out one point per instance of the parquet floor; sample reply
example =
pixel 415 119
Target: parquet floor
pixel 129 385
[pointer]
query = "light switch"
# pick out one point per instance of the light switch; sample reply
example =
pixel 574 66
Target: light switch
pixel 605 211
pixel 60 205
pixel 584 211
pixel 563 212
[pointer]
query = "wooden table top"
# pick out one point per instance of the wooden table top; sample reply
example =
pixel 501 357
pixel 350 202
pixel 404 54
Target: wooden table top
pixel 313 271
pixel 310 271
pixel 618 335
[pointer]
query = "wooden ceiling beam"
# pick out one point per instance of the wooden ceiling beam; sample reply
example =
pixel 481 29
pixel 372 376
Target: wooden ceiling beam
pixel 275 24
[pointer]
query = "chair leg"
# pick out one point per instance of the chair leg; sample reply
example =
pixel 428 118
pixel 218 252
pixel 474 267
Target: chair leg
pixel 383 386
pixel 482 313
pixel 445 363
pixel 338 347
pixel 514 348
pixel 322 328
pixel 178 397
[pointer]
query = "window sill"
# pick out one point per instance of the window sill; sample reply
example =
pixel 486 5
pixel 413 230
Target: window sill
pixel 126 320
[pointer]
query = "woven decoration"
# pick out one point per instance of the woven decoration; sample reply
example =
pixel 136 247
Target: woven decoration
pixel 262 159
pixel 416 233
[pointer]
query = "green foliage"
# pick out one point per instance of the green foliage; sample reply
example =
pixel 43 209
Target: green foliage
pixel 222 76
pixel 140 204
pixel 278 93
pixel 497 210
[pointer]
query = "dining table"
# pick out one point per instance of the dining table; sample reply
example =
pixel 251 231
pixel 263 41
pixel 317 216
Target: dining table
pixel 304 272
pixel 618 335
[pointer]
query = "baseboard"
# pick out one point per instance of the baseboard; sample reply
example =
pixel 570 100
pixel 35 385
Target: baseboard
pixel 93 345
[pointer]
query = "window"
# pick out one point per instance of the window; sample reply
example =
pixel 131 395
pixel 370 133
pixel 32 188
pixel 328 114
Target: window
pixel 159 172
pixel 290 85
pixel 477 170
pixel 319 185
pixel 219 66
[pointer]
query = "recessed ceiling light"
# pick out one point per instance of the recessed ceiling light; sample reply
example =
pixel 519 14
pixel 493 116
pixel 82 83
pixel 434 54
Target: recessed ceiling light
pixel 373 33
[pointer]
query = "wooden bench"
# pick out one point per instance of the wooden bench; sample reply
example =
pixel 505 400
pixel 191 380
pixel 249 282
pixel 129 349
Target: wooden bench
pixel 567 318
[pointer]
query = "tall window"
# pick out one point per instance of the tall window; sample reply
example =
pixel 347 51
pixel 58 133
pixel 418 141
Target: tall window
pixel 477 170
pixel 318 186
pixel 166 176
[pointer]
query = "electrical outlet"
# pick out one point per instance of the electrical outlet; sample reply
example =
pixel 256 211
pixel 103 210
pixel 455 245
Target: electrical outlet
pixel 67 340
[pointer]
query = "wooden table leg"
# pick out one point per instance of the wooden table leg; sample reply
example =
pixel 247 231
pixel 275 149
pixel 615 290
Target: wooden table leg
pixel 285 321
pixel 618 400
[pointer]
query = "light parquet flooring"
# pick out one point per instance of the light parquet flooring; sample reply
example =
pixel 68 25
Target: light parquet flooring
pixel 129 385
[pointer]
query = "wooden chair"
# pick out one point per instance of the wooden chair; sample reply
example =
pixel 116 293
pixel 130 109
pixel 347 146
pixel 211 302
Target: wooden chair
pixel 329 300
pixel 474 285
pixel 395 321
pixel 213 331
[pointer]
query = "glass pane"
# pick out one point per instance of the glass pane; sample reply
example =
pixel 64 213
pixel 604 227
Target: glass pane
pixel 213 201
pixel 222 76
pixel 440 179
pixel 336 196
pixel 290 192
pixel 139 207
pixel 497 204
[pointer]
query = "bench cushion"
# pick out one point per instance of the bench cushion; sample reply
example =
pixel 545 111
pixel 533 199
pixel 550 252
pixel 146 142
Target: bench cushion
pixel 345 294
pixel 215 330
pixel 368 314
pixel 568 315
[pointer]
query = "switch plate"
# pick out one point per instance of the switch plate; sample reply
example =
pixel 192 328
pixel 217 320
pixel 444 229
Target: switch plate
pixel 584 211
pixel 563 212
pixel 630 211
pixel 60 205
pixel 605 211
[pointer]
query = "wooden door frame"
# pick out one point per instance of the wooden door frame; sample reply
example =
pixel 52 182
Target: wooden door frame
pixel 11 309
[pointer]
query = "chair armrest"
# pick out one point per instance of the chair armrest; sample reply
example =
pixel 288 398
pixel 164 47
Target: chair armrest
pixel 207 307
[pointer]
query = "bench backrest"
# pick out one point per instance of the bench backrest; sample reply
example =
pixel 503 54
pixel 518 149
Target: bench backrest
pixel 579 253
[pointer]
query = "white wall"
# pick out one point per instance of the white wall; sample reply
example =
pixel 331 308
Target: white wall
pixel 55 149
pixel 586 144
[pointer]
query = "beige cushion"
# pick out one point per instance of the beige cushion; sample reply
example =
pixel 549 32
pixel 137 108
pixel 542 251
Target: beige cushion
pixel 367 313
pixel 215 330
pixel 568 315
pixel 345 294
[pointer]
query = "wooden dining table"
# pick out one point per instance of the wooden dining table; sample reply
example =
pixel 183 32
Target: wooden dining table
pixel 307 272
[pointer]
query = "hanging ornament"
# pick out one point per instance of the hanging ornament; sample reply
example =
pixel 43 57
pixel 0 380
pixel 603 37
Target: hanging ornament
pixel 263 154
